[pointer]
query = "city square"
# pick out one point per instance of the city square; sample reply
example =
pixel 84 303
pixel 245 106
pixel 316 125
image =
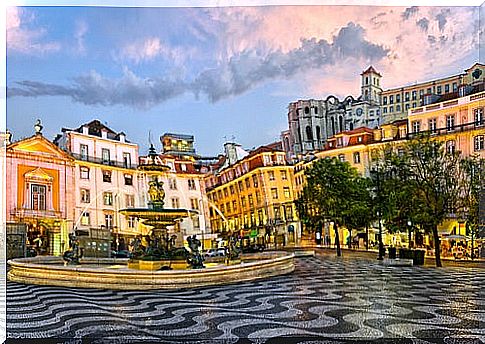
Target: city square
pixel 232 174
pixel 326 300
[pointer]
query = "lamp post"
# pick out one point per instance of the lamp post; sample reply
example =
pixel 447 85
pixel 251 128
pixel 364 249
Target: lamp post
pixel 410 227
pixel 376 173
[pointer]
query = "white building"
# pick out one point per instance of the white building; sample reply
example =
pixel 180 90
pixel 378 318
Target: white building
pixel 105 182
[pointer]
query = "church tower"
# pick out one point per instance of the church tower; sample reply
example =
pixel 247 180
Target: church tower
pixel 371 89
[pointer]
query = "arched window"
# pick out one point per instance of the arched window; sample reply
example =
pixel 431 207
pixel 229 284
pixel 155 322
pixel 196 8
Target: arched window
pixel 351 126
pixel 307 110
pixel 341 123
pixel 299 135
pixel 333 125
pixel 317 129
pixel 309 133
pixel 366 95
pixel 287 144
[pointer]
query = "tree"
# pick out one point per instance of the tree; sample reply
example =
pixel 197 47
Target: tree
pixel 332 194
pixel 473 184
pixel 430 175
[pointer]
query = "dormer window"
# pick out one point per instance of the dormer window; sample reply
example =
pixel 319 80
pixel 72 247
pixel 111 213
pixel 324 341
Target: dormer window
pixel 359 139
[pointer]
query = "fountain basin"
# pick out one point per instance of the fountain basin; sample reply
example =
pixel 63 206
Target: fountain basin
pixel 114 273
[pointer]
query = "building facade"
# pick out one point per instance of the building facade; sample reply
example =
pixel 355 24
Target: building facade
pixel 105 181
pixel 253 197
pixel 39 183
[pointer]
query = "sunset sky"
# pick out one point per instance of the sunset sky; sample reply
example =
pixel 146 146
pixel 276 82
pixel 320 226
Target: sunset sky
pixel 216 72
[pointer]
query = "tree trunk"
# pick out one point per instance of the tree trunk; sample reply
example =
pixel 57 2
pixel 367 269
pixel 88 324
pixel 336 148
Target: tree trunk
pixel 350 238
pixel 337 239
pixel 437 246
pixel 367 238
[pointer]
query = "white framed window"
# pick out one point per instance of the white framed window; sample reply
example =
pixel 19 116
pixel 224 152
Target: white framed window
pixel 271 175
pixel 478 115
pixel 479 142
pixel 450 122
pixel 175 202
pixel 127 160
pixel 341 157
pixel 85 196
pixel 130 201
pixel 105 155
pixel 106 176
pixel 131 221
pixel 85 219
pixel 432 125
pixel 108 198
pixel 194 203
pixel 84 172
pixel 286 192
pixel 191 184
pixel 416 126
pixel 108 220
pixel 38 197
pixel 450 146
pixel 357 158
pixel 84 151
pixel 172 183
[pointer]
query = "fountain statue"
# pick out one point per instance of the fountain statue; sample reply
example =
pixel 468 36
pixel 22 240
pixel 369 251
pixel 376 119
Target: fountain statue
pixel 72 256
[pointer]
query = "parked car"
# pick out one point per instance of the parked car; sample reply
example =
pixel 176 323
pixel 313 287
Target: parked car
pixel 215 252
pixel 121 254
pixel 253 248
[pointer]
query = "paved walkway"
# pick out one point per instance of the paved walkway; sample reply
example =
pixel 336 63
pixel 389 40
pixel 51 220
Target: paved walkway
pixel 326 299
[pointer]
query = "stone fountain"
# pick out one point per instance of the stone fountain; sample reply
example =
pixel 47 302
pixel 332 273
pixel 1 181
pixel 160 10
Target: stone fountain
pixel 159 250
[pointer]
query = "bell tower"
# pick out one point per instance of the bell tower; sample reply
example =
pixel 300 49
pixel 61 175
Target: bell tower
pixel 370 86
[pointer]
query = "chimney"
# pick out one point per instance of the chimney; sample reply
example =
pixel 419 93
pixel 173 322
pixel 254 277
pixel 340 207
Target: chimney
pixel 85 130
pixel 104 134
pixel 122 137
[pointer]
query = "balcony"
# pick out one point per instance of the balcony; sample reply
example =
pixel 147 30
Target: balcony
pixel 445 130
pixel 31 213
pixel 103 162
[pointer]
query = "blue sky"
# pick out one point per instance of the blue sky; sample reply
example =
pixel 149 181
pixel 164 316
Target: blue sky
pixel 216 72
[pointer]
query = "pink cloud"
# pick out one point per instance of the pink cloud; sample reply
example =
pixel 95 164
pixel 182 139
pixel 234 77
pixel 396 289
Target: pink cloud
pixel 24 40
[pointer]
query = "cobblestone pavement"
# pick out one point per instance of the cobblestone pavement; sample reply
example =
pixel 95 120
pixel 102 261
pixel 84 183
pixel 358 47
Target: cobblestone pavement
pixel 326 300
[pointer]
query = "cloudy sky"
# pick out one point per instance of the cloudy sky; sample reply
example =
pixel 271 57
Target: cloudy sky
pixel 216 72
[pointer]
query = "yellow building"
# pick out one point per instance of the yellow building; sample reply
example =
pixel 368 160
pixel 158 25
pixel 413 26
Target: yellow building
pixel 395 102
pixel 254 197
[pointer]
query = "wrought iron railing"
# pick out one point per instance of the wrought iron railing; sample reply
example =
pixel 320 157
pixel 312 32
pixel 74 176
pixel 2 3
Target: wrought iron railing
pixel 101 161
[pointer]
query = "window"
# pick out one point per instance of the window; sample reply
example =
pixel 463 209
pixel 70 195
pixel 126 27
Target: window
pixel 106 176
pixel 391 108
pixel 248 183
pixel 250 201
pixel 341 157
pixel 84 171
pixel 414 95
pixel 414 105
pixel 307 110
pixel 130 201
pixel 128 179
pixel 316 110
pixel 258 197
pixel 438 89
pixel 255 180
pixel 428 90
pixel 183 167
pixel 84 152
pixel 283 175
pixel 391 99
pixel 450 146
pixel 191 183
pixel 455 87
pixel 240 185
pixel 384 110
pixel 277 215
pixel 289 213
pixel 234 206
pixel 85 197
pixel 384 100
pixel 416 126
pixel 85 219
pixel 271 175
pixel 231 188
pixel 479 142
pixel 421 93
pixel 194 203
pixel 340 141
pixel 309 134
pixel 105 155
pixel 478 114
pixel 228 207
pixel 126 160
pixel 226 193
pixel 37 194
pixel 286 192
pixel 367 80
pixel 131 221
pixel 406 96
pixel 196 222
pixel 172 184
pixel 398 98
pixel 175 202
pixel 356 158
pixel 108 198
pixel 398 108
pixel 243 202
pixel 274 193
pixel 432 125
pixel 407 107
pixel 108 220
pixel 447 88
pixel 450 122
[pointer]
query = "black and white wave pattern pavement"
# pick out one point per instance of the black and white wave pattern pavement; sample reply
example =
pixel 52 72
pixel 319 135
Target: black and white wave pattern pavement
pixel 324 301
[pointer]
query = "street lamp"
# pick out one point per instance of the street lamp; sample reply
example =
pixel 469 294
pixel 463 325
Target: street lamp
pixel 410 227
pixel 376 176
